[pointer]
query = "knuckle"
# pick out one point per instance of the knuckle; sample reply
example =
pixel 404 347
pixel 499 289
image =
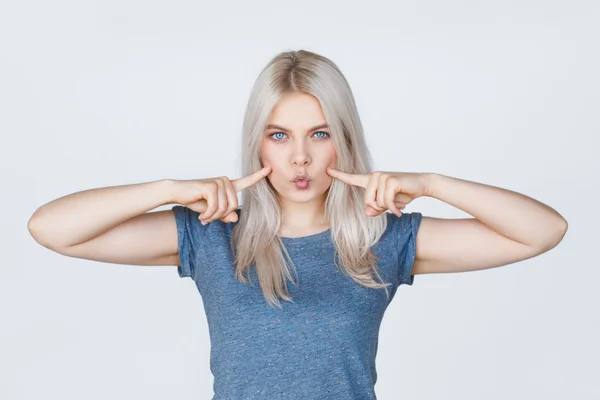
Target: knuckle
pixel 232 207
pixel 210 210
pixel 375 205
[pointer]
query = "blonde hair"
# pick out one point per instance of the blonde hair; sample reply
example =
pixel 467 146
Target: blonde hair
pixel 254 239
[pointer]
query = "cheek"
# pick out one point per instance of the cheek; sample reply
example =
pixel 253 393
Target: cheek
pixel 331 159
pixel 268 156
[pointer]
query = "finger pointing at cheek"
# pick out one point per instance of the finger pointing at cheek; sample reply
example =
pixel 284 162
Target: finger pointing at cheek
pixel 361 180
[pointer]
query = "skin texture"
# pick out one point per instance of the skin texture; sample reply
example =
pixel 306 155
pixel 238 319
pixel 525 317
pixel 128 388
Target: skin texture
pixel 299 149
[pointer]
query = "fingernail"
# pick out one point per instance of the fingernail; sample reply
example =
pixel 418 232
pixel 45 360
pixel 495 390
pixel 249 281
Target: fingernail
pixel 203 222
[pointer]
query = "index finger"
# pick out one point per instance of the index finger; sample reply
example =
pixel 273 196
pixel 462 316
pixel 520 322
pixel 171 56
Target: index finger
pixel 361 180
pixel 244 182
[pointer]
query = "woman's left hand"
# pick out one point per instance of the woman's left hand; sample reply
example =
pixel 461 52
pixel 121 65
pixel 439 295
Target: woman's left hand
pixel 387 190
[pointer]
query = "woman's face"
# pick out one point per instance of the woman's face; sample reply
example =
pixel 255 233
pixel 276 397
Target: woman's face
pixel 296 142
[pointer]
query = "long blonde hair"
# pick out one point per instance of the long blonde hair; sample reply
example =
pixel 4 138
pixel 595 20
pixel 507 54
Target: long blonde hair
pixel 254 239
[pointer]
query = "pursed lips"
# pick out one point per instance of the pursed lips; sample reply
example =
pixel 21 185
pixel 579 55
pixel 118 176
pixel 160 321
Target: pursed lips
pixel 301 178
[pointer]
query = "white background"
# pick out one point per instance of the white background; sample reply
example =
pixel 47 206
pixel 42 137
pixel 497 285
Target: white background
pixel 107 93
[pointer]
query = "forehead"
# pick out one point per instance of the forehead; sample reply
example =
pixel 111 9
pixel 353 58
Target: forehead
pixel 297 110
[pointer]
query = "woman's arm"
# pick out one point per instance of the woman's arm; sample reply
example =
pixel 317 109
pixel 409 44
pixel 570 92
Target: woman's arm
pixel 508 227
pixel 84 215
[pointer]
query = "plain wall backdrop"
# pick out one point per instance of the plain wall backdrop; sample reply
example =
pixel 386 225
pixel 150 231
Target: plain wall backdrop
pixel 106 93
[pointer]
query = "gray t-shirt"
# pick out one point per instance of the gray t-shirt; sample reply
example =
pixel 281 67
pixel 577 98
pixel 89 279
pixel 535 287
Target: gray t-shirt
pixel 320 346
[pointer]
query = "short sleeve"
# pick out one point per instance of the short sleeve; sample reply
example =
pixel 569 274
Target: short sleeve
pixel 405 232
pixel 189 233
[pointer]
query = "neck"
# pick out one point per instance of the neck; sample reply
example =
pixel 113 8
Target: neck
pixel 306 215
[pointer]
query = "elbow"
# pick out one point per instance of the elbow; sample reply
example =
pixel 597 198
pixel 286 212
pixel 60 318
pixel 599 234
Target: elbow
pixel 34 222
pixel 556 236
pixel 562 231
pixel 33 228
pixel 37 233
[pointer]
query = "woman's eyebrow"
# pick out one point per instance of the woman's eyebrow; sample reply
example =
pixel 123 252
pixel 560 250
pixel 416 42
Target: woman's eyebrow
pixel 275 126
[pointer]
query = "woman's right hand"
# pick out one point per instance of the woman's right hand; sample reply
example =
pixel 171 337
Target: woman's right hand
pixel 215 198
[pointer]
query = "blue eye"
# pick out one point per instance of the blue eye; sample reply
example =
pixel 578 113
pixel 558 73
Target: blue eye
pixel 272 135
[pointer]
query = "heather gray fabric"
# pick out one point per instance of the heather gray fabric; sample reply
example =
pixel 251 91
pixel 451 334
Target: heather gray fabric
pixel 320 346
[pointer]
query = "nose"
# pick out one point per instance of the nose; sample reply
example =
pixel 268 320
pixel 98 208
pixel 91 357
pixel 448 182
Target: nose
pixel 300 156
pixel 299 162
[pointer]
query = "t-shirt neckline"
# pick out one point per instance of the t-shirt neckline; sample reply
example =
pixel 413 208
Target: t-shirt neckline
pixel 306 239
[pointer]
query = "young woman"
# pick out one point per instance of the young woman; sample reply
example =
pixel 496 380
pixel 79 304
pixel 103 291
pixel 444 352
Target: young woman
pixel 312 206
